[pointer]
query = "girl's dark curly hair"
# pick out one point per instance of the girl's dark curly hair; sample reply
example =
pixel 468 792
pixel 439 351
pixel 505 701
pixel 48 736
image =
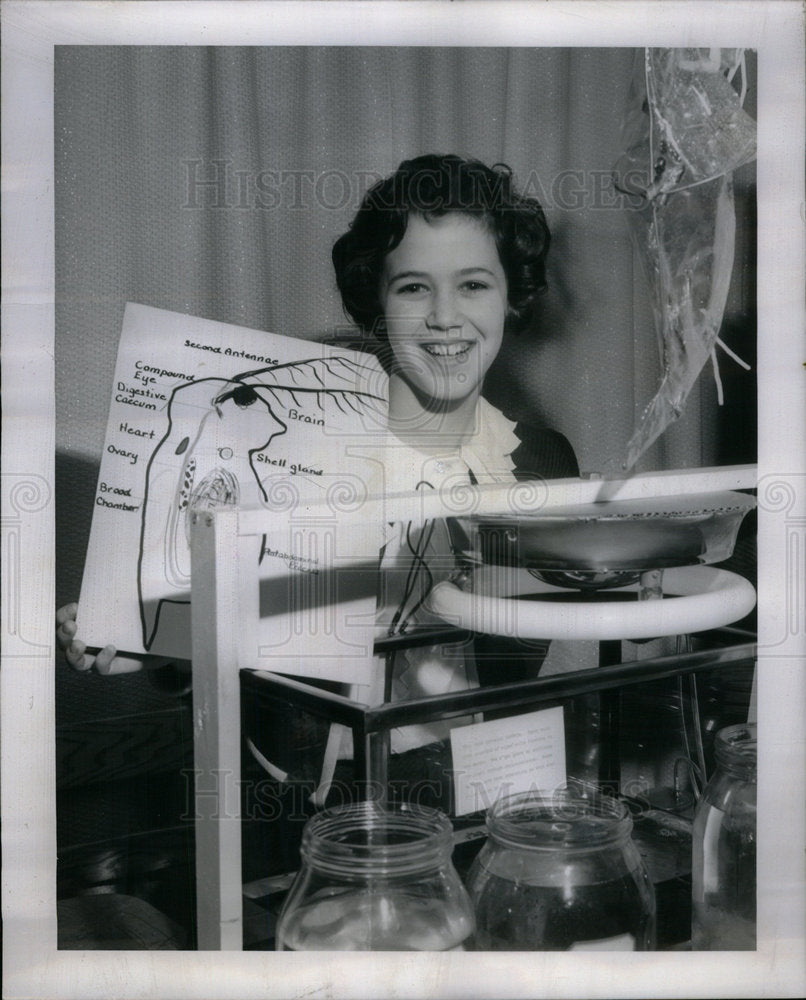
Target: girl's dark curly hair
pixel 433 186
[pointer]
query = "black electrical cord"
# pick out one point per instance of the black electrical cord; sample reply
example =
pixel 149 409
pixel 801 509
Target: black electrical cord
pixel 417 565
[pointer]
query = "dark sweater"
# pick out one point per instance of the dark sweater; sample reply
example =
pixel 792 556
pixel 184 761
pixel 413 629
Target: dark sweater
pixel 543 454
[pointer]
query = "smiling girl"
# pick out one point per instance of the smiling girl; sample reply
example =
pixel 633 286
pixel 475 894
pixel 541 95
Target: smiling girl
pixel 444 258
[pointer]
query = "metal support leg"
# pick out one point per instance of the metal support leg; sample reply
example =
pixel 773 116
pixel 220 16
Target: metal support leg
pixel 610 701
pixel 371 764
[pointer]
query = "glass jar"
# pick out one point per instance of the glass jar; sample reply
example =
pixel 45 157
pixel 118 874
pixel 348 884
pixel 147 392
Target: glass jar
pixel 376 878
pixel 561 873
pixel 723 876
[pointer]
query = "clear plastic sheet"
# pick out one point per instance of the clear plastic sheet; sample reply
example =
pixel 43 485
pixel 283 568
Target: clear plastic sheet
pixel 685 133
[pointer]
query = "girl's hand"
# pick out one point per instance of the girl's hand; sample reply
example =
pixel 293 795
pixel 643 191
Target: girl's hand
pixel 75 649
pixel 106 661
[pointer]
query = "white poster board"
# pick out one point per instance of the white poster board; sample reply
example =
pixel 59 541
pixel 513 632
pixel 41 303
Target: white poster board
pixel 210 415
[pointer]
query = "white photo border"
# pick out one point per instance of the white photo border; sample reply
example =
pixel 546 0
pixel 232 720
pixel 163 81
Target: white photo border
pixel 33 965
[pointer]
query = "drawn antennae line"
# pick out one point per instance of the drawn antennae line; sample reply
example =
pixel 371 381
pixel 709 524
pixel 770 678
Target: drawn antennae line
pixel 353 367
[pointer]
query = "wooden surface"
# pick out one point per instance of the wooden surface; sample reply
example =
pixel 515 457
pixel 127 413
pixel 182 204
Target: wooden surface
pixel 216 614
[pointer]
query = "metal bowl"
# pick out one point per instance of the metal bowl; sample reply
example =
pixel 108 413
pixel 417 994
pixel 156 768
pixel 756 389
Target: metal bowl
pixel 610 544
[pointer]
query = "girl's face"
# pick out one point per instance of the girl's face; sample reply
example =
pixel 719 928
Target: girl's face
pixel 444 294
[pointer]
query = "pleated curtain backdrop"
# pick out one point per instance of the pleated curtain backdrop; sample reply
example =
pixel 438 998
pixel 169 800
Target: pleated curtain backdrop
pixel 213 181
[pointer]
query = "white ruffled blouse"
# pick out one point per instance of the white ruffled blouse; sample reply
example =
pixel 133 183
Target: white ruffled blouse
pixel 439 669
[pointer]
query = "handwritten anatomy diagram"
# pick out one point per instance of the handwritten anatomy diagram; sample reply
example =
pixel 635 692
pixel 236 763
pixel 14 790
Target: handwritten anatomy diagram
pixel 227 442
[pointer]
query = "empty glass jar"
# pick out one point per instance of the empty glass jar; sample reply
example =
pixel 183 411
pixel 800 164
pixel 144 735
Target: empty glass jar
pixel 561 873
pixel 723 874
pixel 376 878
